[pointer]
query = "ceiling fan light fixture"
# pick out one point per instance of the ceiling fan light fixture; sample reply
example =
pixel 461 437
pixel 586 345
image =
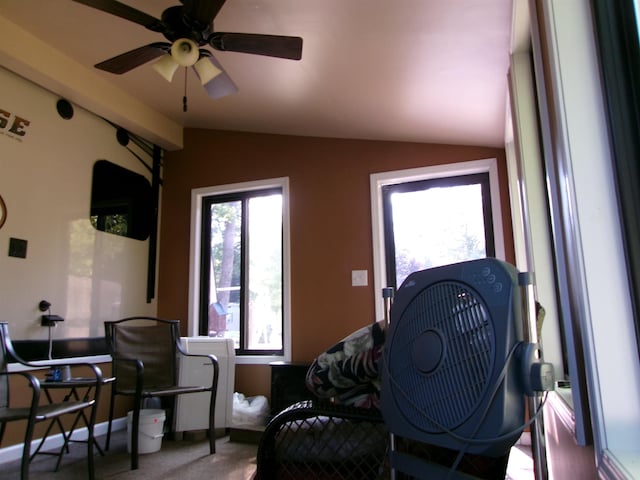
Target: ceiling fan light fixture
pixel 192 21
pixel 185 52
pixel 166 67
pixel 206 70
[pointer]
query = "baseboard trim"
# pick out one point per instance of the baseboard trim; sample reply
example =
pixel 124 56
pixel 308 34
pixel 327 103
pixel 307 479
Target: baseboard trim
pixel 14 452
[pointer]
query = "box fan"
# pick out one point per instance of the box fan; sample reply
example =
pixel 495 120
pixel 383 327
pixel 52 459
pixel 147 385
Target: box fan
pixel 456 369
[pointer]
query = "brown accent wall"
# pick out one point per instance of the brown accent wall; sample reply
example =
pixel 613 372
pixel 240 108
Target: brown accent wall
pixel 330 222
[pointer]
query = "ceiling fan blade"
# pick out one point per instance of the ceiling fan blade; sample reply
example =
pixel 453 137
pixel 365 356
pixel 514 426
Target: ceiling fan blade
pixel 134 58
pixel 125 11
pixel 203 11
pixel 221 85
pixel 257 44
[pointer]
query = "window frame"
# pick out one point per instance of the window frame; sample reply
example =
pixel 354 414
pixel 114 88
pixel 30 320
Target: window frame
pixel 576 133
pixel 481 178
pixel 380 180
pixel 617 41
pixel 243 197
pixel 195 261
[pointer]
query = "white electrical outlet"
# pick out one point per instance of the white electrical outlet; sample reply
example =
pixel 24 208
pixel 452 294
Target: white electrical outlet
pixel 359 278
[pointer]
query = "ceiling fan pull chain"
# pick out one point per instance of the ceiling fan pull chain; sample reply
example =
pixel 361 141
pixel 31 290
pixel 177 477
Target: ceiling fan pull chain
pixel 184 98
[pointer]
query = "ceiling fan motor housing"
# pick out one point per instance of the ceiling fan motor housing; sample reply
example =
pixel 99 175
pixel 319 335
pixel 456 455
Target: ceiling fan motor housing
pixel 179 25
pixel 451 374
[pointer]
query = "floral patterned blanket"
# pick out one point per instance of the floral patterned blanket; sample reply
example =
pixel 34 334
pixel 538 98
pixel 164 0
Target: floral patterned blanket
pixel 349 373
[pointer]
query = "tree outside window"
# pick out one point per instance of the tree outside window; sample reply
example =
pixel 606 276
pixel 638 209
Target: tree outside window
pixel 241 286
pixel 436 222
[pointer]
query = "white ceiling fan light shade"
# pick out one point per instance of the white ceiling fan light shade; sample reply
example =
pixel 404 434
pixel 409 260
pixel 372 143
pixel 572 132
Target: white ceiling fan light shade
pixel 221 85
pixel 185 52
pixel 166 67
pixel 206 70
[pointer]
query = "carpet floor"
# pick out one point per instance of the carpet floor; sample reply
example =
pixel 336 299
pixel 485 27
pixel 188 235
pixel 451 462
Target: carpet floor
pixel 182 459
pixel 177 459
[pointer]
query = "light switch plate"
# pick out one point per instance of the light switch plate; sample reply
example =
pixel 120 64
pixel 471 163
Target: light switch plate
pixel 359 278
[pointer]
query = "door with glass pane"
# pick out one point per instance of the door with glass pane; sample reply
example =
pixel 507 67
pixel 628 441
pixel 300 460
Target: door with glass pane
pixel 429 223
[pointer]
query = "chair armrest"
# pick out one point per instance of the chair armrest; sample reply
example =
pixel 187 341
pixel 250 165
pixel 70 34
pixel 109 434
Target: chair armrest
pixel 212 358
pixel 137 363
pixel 41 366
pixel 183 353
pixel 96 371
pixel 314 408
pixel 34 383
pixel 278 428
pixel 139 367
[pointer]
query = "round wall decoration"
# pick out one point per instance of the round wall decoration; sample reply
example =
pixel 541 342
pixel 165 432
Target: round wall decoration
pixel 3 212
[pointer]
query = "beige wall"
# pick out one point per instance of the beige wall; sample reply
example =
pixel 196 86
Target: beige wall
pixel 46 167
pixel 330 222
pixel 46 175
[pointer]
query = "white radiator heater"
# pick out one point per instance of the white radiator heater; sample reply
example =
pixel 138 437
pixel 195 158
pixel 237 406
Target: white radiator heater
pixel 192 410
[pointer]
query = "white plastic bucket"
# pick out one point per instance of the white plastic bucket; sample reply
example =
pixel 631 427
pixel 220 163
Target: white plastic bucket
pixel 149 432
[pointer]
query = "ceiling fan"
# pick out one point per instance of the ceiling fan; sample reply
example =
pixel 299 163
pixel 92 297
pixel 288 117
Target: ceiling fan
pixel 188 28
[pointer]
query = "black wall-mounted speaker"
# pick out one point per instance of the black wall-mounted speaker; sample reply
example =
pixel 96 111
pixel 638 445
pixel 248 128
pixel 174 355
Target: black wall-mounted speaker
pixel 65 109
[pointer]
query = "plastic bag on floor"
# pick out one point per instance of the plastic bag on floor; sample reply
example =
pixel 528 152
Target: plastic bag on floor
pixel 249 411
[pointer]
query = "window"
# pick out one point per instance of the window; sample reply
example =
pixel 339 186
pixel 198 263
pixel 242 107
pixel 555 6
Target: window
pixel 433 216
pixel 242 287
pixel 121 201
pixel 581 127
pixel 436 222
pixel 619 45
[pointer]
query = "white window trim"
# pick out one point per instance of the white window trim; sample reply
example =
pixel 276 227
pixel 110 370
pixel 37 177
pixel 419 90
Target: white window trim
pixel 379 180
pixel 607 321
pixel 197 194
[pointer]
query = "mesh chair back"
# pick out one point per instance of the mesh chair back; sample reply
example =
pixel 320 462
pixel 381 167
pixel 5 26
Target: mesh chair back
pixel 151 341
